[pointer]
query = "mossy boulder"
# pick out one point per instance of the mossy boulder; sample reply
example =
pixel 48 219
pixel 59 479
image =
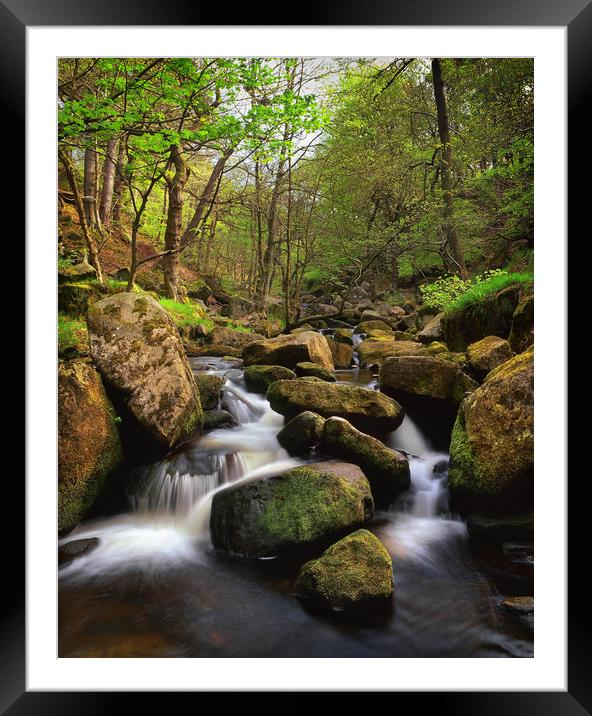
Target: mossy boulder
pixel 75 299
pixel 89 447
pixel 209 387
pixel 487 354
pixel 373 351
pixel 353 571
pixel 295 509
pixel 230 337
pixel 237 307
pixel 424 377
pixel 492 443
pixel 216 419
pixel 522 331
pixel 342 353
pixel 217 350
pixel 375 325
pixel 314 370
pixel 435 348
pixel 387 470
pixel 258 378
pixel 343 335
pixel 366 409
pixel 288 350
pixel 302 433
pixel 136 347
pixel 82 271
pixel 491 316
pixel 431 331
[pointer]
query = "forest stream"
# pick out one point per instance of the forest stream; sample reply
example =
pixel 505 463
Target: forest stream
pixel 154 586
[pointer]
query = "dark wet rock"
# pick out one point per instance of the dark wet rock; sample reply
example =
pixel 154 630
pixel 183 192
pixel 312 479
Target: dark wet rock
pixel 387 470
pixel 521 609
pixel 75 298
pixel 292 510
pixel 522 331
pixel 258 378
pixel 89 446
pixel 355 570
pixel 209 387
pixel 217 419
pixel 492 530
pixel 366 409
pixel 76 548
pixel 301 434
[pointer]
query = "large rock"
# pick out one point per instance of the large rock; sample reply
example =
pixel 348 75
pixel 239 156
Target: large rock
pixel 258 378
pixel 375 325
pixel 491 316
pixel 314 370
pixel 89 447
pixel 289 350
pixel 355 570
pixel 297 508
pixel 387 470
pixel 487 354
pixel 432 331
pixel 137 349
pixel 209 387
pixel 342 353
pixel 237 307
pixel 425 377
pixel 79 272
pixel 231 337
pixel 373 351
pixel 522 331
pixel 366 409
pixel 492 443
pixel 302 433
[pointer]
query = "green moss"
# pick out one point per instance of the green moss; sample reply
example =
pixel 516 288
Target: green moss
pixel 462 458
pixel 186 315
pixel 305 504
pixel 259 377
pixel 72 336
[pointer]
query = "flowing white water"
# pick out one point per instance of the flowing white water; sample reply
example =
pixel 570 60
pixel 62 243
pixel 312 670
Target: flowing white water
pixel 172 511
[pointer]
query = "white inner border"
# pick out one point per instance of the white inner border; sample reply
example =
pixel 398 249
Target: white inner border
pixel 547 670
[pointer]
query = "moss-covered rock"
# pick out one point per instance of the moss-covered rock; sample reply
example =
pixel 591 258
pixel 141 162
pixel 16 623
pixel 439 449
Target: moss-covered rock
pixel 376 325
pixel 289 350
pixel 387 470
pixel 136 347
pixel 522 331
pixel 435 348
pixel 258 378
pixel 300 507
pixel 301 434
pixel 355 570
pixel 217 350
pixel 342 353
pixel 79 272
pixel 373 352
pixel 343 335
pixel 425 377
pixel 230 337
pixel 487 354
pixel 492 443
pixel 216 419
pixel 366 409
pixel 314 370
pixel 89 447
pixel 209 387
pixel 491 316
pixel 74 299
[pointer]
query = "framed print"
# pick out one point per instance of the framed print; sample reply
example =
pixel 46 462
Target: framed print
pixel 283 436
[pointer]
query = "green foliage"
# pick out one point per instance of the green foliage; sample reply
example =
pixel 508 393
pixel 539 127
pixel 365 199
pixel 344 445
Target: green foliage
pixel 186 314
pixel 72 336
pixel 64 262
pixel 484 286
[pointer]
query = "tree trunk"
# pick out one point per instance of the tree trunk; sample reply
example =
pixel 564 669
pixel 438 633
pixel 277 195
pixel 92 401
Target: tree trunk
pixel 108 184
pixel 90 186
pixel 118 184
pixel 172 233
pixel 93 253
pixel 194 225
pixel 454 252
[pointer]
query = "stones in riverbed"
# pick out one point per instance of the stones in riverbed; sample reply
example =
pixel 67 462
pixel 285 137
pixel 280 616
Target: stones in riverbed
pixel 488 530
pixel 520 609
pixel 424 377
pixel 230 337
pixel 305 369
pixel 217 419
pixel 487 354
pixel 387 470
pixel 76 548
pixel 136 347
pixel 258 378
pixel 89 447
pixel 353 571
pixel 288 350
pixel 302 433
pixel 373 351
pixel 209 387
pixel 492 443
pixel 295 509
pixel 368 410
pixel 342 353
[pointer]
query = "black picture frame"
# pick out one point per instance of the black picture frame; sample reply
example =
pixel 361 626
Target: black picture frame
pixel 576 15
